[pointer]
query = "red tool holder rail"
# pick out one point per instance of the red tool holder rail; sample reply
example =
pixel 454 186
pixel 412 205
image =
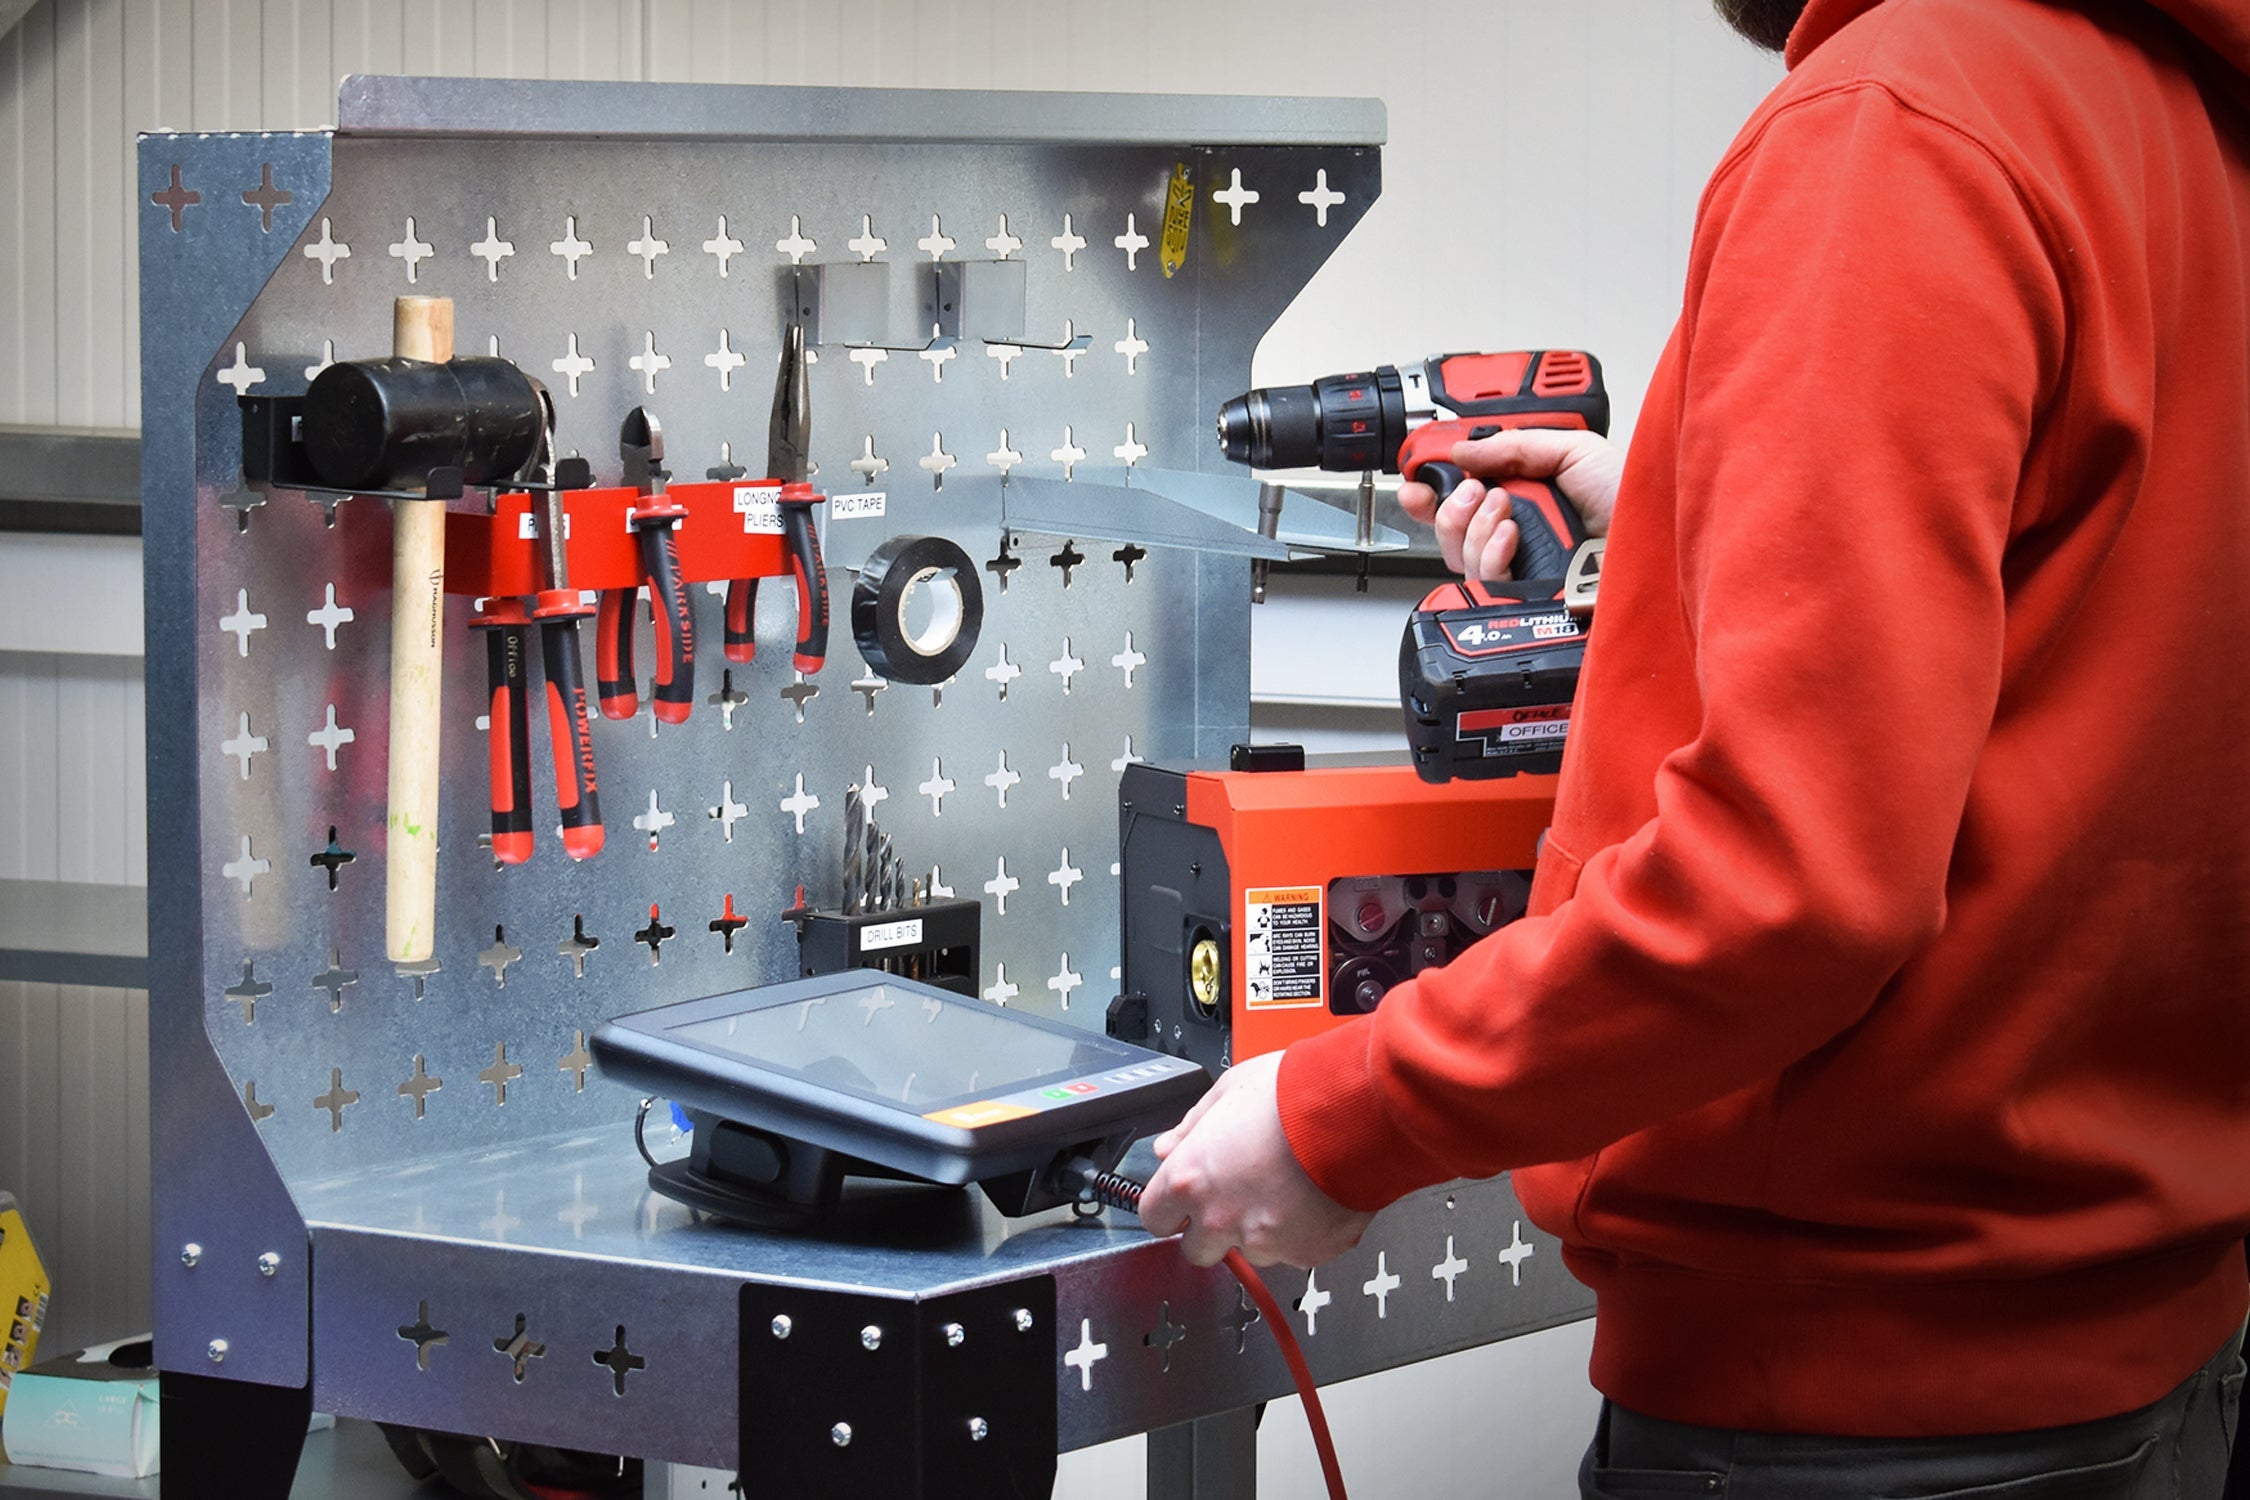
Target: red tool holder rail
pixel 491 556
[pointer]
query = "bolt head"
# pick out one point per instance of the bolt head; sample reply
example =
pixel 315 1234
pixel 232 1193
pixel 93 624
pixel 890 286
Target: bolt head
pixel 218 1351
pixel 841 1434
pixel 1023 1320
pixel 782 1325
pixel 978 1430
pixel 955 1335
pixel 190 1255
pixel 871 1337
pixel 269 1264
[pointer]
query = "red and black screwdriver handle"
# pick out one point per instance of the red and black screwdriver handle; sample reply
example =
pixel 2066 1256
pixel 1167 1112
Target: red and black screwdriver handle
pixel 674 693
pixel 506 626
pixel 801 538
pixel 577 792
pixel 1548 526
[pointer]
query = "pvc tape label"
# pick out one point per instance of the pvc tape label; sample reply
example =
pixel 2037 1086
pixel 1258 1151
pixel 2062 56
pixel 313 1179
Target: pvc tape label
pixel 865 505
pixel 1281 947
pixel 759 505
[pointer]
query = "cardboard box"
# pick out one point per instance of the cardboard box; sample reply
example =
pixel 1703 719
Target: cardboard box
pixel 93 1411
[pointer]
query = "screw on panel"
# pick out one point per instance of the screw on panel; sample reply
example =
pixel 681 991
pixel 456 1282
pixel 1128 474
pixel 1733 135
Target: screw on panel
pixel 782 1325
pixel 871 1337
pixel 955 1334
pixel 841 1434
pixel 190 1254
pixel 979 1430
pixel 218 1351
pixel 1023 1320
pixel 269 1265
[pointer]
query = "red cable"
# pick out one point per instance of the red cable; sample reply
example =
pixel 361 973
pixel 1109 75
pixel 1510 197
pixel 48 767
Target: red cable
pixel 1299 1371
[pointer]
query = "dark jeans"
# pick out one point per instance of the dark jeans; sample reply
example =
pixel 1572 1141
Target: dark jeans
pixel 2176 1449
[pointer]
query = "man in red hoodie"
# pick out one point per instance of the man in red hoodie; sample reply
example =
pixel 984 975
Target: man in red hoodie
pixel 1881 1018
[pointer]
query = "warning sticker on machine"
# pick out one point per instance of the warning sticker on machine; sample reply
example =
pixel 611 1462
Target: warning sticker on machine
pixel 1281 947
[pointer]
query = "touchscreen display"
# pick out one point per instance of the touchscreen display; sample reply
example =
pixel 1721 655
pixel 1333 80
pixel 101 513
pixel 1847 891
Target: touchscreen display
pixel 898 1047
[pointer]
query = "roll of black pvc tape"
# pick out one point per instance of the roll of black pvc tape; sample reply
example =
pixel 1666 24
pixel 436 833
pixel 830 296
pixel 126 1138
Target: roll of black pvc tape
pixel 916 609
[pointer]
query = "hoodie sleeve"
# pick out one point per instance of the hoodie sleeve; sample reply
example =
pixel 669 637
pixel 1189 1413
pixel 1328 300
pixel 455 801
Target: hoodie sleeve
pixel 1871 327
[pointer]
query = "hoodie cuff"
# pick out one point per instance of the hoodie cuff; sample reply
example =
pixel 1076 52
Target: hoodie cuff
pixel 1339 1127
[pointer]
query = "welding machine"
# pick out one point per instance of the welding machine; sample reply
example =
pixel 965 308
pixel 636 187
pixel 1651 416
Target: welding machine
pixel 1274 899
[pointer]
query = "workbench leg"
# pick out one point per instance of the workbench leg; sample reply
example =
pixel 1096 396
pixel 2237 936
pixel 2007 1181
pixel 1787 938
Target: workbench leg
pixel 230 1437
pixel 1211 1458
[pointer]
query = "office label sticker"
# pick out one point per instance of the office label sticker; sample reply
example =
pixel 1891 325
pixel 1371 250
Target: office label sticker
pixel 1281 947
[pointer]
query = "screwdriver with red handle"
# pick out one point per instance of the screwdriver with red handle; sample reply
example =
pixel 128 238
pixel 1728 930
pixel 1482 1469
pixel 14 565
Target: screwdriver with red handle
pixel 788 449
pixel 640 443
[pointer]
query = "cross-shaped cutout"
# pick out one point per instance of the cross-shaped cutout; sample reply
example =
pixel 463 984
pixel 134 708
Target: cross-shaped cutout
pixel 726 361
pixel 648 247
pixel 242 622
pixel 867 244
pixel 1244 1318
pixel 265 197
pixel 1321 197
pixel 619 1360
pixel 1164 1335
pixel 572 365
pixel 330 737
pixel 1069 455
pixel 728 811
pixel 329 616
pixel 243 745
pixel 937 460
pixel 1004 244
pixel 728 698
pixel 312 372
pixel 519 1347
pixel 422 1336
pixel 580 1213
pixel 572 249
pixel 937 355
pixel 1064 980
pixel 937 241
pixel 1000 780
pixel 799 802
pixel 245 867
pixel 1002 885
pixel 1069 242
pixel 501 1220
pixel 1073 344
pixel 1312 1302
pixel 872 793
pixel 936 787
pixel 799 693
pixel 335 979
pixel 1234 197
pixel 1086 1355
pixel 492 249
pixel 242 502
pixel 1003 671
pixel 867 360
pixel 1516 1254
pixel 420 1086
pixel 241 374
pixel 649 362
pixel 1132 346
pixel 1007 354
pixel 497 957
pixel 722 246
pixel 413 251
pixel 327 250
pixel 418 974
pixel 1128 555
pixel 654 821
pixel 868 687
pixel 1000 991
pixel 1003 458
pixel 248 991
pixel 1132 242
pixel 654 935
pixel 1067 559
pixel 1065 875
pixel 1129 660
pixel 501 1073
pixel 874 1005
pixel 869 464
pixel 797 246
pixel 728 922
pixel 1065 771
pixel 1067 665
pixel 576 1061
pixel 1381 1284
pixel 939 890
pixel 176 198
pixel 259 1113
pixel 332 858
pixel 1449 1269
pixel 1132 450
pixel 336 1100
pixel 578 945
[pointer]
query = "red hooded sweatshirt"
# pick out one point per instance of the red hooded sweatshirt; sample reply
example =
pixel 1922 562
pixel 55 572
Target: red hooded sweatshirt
pixel 1888 975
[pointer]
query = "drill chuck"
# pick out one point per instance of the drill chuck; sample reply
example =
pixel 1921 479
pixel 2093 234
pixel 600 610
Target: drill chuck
pixel 1343 423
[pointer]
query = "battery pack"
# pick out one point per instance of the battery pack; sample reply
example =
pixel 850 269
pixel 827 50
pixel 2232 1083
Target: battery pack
pixel 1487 682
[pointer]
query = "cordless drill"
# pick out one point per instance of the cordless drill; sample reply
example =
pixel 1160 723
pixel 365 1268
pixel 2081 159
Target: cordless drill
pixel 1487 670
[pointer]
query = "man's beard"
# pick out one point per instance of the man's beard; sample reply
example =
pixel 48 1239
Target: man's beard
pixel 1766 23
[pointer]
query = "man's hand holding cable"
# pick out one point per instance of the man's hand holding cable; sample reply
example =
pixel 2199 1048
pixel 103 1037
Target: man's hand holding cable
pixel 1229 1179
pixel 1472 524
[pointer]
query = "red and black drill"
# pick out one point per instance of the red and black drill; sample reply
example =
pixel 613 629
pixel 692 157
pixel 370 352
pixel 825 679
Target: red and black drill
pixel 1486 670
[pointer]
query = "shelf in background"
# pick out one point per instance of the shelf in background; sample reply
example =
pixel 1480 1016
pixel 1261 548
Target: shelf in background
pixel 70 932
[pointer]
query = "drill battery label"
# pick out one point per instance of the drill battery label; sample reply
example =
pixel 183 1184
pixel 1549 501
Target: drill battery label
pixel 759 505
pixel 1491 632
pixel 864 505
pixel 1525 730
pixel 1282 958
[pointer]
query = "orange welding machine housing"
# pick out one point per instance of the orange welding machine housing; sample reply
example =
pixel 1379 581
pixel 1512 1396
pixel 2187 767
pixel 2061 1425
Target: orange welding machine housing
pixel 1261 906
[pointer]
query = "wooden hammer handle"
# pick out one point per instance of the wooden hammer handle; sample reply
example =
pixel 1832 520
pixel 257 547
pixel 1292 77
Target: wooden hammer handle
pixel 421 328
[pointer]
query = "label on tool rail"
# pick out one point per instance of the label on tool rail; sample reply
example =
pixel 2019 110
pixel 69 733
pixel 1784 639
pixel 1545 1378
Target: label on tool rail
pixel 759 505
pixel 1282 936
pixel 863 505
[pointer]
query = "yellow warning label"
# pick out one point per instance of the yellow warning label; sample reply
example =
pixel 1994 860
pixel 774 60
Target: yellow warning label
pixel 984 1112
pixel 1282 938
pixel 1179 216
